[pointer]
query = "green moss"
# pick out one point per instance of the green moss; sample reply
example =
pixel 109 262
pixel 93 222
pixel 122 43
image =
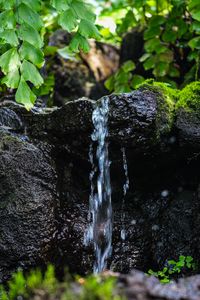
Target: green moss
pixel 166 98
pixel 170 93
pixel 189 98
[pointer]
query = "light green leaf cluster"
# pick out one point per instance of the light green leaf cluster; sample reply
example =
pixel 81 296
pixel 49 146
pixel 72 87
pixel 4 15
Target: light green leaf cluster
pixel 124 81
pixel 22 40
pixel 77 15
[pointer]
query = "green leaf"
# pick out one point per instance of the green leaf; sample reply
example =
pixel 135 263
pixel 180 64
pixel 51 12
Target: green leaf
pixel 30 73
pixel 88 29
pixel 79 42
pixel 34 55
pixel 7 20
pixel 152 45
pixel 9 61
pixel 122 78
pixel 67 20
pixel 82 10
pixel 122 88
pixel 29 16
pixel 29 34
pixel 34 5
pixel 196 15
pixel 128 66
pixel 157 20
pixel 151 32
pixel 7 4
pixel 60 5
pixel 166 56
pixel 137 80
pixel 109 84
pixel 195 26
pixel 169 35
pixel 24 95
pixel 161 69
pixel 66 53
pixel 12 79
pixel 195 43
pixel 144 57
pixel 193 4
pixel 149 63
pixel 47 88
pixel 10 37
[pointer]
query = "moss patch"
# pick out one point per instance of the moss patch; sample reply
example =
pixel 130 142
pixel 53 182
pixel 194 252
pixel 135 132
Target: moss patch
pixel 189 98
pixel 166 98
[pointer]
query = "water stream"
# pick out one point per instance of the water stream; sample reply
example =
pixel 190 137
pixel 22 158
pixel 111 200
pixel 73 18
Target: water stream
pixel 125 189
pixel 99 231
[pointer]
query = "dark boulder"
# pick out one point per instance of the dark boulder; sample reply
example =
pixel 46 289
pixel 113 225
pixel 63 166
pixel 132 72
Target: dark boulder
pixel 27 203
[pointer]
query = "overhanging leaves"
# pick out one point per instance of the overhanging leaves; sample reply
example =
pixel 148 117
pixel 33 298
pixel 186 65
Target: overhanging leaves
pixel 30 73
pixel 24 95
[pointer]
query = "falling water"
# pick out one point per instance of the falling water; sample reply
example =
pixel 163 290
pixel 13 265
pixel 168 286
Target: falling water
pixel 100 228
pixel 125 189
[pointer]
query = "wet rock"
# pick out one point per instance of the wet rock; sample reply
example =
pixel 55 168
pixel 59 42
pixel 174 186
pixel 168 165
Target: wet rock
pixel 27 201
pixel 10 120
pixel 188 117
pixel 139 286
pixel 188 126
pixel 45 185
pixel 140 118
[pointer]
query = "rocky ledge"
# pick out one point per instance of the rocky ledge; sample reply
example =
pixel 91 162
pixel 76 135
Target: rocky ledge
pixel 45 186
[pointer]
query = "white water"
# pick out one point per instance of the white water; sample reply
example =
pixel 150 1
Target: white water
pixel 125 190
pixel 100 228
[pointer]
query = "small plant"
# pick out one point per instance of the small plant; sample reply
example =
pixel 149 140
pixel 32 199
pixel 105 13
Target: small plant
pixel 92 287
pixel 123 81
pixel 173 268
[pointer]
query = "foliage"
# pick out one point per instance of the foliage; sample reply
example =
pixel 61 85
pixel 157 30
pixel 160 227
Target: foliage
pixel 89 288
pixel 124 80
pixel 173 268
pixel 189 97
pixel 171 32
pixel 23 36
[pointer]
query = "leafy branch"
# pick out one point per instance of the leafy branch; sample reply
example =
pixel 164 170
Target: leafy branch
pixel 22 35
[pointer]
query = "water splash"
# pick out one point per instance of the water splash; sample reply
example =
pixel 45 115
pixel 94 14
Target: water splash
pixel 125 190
pixel 100 229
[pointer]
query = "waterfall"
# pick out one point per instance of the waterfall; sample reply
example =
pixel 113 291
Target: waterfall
pixel 99 231
pixel 125 189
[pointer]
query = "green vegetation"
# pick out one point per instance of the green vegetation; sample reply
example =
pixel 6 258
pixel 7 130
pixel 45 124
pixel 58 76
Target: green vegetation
pixel 170 30
pixel 171 33
pixel 45 286
pixel 174 268
pixel 189 97
pixel 24 33
pixel 123 81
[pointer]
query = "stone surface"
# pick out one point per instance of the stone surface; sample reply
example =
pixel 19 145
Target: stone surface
pixel 44 187
pixel 27 203
pixel 138 286
pixel 188 126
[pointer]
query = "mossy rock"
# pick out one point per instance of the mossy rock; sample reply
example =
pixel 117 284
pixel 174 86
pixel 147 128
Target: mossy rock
pixel 189 98
pixel 166 98
pixel 188 115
